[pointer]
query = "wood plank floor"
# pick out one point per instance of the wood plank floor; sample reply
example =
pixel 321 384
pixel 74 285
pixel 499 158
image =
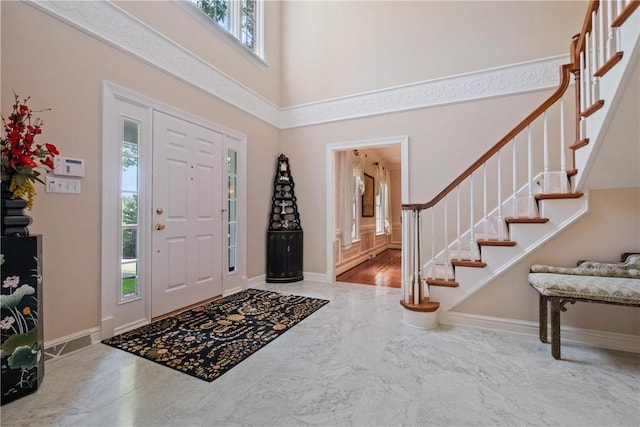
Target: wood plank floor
pixel 383 270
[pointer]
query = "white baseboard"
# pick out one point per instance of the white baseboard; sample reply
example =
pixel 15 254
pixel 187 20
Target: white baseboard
pixel 313 277
pixel 317 277
pixel 258 280
pixel 590 337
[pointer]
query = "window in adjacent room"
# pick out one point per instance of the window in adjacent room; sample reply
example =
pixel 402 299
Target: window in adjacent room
pixel 240 18
pixel 355 206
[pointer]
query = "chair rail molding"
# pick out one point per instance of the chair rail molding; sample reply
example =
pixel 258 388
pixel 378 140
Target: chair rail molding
pixel 110 24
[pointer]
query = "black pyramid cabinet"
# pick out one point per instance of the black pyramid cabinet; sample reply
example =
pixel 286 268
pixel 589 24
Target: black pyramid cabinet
pixel 284 236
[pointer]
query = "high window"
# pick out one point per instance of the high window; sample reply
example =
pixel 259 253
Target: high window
pixel 240 18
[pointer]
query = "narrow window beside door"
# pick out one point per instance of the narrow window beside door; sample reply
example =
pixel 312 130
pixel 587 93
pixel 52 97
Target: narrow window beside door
pixel 232 243
pixel 130 212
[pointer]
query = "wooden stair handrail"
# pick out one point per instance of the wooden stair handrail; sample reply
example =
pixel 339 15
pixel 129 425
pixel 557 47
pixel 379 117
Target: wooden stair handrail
pixel 586 27
pixel 565 79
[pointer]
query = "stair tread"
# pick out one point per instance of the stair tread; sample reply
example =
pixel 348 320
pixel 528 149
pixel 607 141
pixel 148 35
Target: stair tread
pixel 425 306
pixel 467 263
pixel 579 144
pixel 495 242
pixel 525 220
pixel 549 196
pixel 609 64
pixel 450 283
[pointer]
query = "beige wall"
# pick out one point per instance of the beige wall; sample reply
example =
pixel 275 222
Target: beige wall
pixel 610 228
pixel 63 68
pixel 337 48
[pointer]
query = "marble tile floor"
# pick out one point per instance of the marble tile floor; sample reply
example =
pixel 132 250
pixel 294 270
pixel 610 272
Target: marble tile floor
pixel 351 363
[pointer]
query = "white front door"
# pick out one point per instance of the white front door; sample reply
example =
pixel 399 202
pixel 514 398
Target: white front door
pixel 187 238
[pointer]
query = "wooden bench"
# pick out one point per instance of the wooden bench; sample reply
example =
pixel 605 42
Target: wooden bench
pixel 595 282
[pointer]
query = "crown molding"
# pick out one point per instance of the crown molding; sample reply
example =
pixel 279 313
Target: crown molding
pixel 108 23
pixel 502 81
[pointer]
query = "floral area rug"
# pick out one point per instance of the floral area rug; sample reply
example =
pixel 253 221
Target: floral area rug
pixel 208 340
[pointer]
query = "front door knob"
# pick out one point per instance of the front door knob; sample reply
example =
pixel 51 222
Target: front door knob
pixel 159 226
pixel 159 211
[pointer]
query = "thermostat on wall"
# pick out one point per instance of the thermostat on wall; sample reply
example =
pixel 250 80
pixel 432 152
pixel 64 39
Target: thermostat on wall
pixel 68 166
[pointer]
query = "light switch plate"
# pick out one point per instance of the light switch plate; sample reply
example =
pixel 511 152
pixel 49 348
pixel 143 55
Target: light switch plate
pixel 62 185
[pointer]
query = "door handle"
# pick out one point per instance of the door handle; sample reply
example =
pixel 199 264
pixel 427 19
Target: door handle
pixel 159 226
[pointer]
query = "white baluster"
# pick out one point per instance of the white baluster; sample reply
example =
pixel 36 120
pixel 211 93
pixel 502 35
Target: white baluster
pixel 612 33
pixel 563 157
pixel 588 74
pixel 446 238
pixel 471 220
pixel 595 85
pixel 584 86
pixel 499 221
pixel 484 199
pixel 433 243
pixel 530 172
pixel 514 181
pixel 416 262
pixel 545 156
pixel 601 35
pixel 407 252
pixel 458 240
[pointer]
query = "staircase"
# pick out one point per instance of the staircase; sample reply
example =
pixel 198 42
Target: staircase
pixel 530 185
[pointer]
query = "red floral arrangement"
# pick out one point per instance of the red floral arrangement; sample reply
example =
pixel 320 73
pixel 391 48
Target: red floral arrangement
pixel 20 155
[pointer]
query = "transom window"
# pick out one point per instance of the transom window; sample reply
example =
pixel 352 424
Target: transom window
pixel 240 18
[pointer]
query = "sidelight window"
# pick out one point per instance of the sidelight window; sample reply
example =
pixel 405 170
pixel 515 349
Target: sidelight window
pixel 232 204
pixel 130 229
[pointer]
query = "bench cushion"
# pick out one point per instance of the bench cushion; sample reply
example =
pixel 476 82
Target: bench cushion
pixel 619 290
pixel 630 268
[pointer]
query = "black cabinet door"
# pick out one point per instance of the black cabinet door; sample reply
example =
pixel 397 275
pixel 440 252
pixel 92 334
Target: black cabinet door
pixel 22 338
pixel 284 256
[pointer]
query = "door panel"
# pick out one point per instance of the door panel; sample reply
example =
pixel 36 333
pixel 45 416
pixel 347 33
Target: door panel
pixel 187 234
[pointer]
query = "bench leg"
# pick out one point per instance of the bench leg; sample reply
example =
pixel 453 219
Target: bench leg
pixel 555 327
pixel 542 318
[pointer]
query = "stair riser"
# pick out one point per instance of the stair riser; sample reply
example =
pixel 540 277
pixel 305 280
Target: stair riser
pixel 497 256
pixel 558 211
pixel 528 234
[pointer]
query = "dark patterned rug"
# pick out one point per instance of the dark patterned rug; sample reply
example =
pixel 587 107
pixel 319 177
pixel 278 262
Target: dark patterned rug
pixel 208 340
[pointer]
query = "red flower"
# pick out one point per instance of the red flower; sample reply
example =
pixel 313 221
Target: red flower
pixel 19 153
pixel 27 161
pixel 51 149
pixel 47 162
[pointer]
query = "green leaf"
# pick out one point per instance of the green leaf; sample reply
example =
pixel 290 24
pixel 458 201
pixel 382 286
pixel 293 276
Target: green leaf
pixel 16 340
